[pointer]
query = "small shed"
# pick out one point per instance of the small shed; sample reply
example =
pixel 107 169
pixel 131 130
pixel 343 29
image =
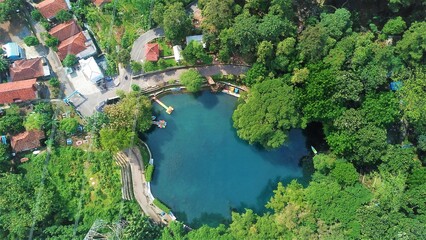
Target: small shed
pixel 91 70
pixel 395 85
pixel 197 38
pixel 13 52
pixel 177 49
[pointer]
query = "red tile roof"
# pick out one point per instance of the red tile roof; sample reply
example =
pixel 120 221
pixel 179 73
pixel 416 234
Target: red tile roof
pixel 65 30
pixel 100 2
pixel 73 45
pixel 26 69
pixel 26 141
pixel 152 52
pixel 17 91
pixel 49 8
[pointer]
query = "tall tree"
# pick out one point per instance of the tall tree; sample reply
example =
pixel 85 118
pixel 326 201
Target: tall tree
pixel 217 14
pixel 176 23
pixel 267 114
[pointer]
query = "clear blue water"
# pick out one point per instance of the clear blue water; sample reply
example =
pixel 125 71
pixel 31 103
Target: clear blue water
pixel 203 170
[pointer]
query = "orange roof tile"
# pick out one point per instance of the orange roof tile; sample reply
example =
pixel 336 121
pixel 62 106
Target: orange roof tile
pixel 26 141
pixel 152 52
pixel 26 69
pixel 100 2
pixel 49 8
pixel 17 91
pixel 73 45
pixel 65 30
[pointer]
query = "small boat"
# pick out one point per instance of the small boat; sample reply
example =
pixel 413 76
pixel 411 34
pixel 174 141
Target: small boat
pixel 314 150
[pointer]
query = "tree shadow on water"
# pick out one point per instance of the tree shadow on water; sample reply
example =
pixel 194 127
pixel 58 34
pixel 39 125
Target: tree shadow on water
pixel 210 219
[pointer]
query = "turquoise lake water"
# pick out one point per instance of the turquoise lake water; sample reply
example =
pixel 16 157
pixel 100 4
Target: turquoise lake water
pixel 203 170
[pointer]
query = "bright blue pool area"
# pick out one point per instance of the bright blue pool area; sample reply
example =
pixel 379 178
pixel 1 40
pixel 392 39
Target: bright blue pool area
pixel 203 170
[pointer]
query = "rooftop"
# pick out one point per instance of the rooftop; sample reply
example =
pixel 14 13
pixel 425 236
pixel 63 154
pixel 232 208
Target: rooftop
pixel 152 52
pixel 91 70
pixel 72 45
pixel 100 2
pixel 65 30
pixel 49 8
pixel 28 69
pixel 26 141
pixel 17 91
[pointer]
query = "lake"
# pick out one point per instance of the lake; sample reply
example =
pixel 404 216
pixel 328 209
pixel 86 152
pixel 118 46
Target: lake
pixel 203 170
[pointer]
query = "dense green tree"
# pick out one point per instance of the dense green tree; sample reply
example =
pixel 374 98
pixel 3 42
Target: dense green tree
pixel 344 173
pixel 8 8
pixel 116 140
pixel 63 16
pixel 133 107
pixel 257 73
pixel 265 52
pixel 31 41
pixel 314 43
pixel 244 34
pixel 274 27
pixel 267 114
pixel 158 13
pixel 369 145
pixel 35 121
pixel 36 15
pixel 195 53
pixel 381 109
pixel 398 160
pixel 140 227
pixel 54 82
pixel 192 80
pixel 217 14
pixel 412 46
pixel 337 24
pixel 4 65
pixel 68 125
pixel 394 26
pixel 12 123
pixel 70 60
pixel 4 158
pixel 299 75
pixel 176 23
pixel 412 94
pixel 175 230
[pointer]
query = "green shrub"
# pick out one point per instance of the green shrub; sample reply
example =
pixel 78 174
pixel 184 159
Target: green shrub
pixel 70 60
pixel 136 66
pixel 31 41
pixel 136 87
pixel 36 15
pixel 63 16
pixel 149 66
pixel 54 82
pixel 148 173
pixel 161 205
pixel 52 41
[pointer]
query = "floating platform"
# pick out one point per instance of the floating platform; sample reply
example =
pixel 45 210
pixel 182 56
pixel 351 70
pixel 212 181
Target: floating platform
pixel 160 124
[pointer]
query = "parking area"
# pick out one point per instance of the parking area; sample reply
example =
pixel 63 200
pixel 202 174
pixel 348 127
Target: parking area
pixel 16 31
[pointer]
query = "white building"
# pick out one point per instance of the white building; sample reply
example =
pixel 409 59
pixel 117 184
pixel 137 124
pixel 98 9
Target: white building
pixel 91 70
pixel 177 49
pixel 197 38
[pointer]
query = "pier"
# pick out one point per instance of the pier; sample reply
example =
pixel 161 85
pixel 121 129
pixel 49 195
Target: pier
pixel 169 109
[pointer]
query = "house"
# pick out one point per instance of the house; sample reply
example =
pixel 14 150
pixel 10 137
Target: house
pixel 80 45
pixel 152 52
pixel 65 30
pixel 99 3
pixel 18 91
pixel 49 8
pixel 177 49
pixel 13 52
pixel 91 70
pixel 26 141
pixel 28 69
pixel 197 38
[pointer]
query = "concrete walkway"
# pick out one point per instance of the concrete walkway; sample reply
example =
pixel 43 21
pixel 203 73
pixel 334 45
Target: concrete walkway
pixel 140 188
pixel 156 79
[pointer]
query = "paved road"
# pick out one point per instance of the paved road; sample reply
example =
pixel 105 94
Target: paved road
pixel 139 185
pixel 138 48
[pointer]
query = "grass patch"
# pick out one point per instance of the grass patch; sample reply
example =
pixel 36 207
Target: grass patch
pixel 165 48
pixel 148 173
pixel 161 205
pixel 144 152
